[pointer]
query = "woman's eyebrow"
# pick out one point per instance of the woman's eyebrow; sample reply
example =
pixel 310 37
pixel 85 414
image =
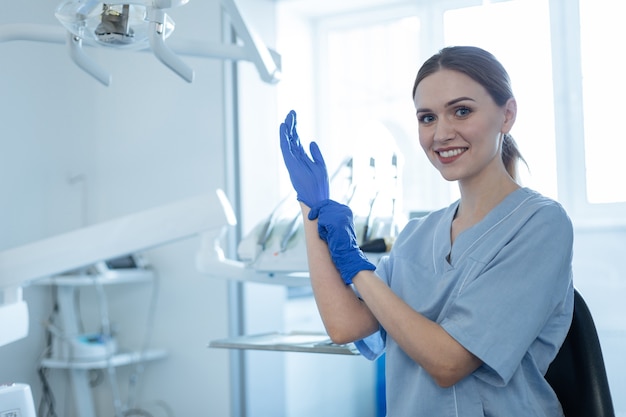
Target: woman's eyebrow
pixel 456 100
pixel 448 104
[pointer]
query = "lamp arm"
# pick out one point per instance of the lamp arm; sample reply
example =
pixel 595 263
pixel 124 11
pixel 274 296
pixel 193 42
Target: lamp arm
pixel 157 19
pixel 32 32
pixel 75 47
pixel 266 61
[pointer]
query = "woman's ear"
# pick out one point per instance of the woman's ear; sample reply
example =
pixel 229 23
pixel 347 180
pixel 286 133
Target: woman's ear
pixel 510 113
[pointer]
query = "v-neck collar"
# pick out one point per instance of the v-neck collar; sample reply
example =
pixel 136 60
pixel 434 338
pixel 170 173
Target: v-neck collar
pixel 445 254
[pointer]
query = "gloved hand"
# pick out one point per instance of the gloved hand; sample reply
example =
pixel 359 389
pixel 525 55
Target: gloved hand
pixel 336 227
pixel 308 176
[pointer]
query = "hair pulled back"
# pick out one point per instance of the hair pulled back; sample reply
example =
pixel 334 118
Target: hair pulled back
pixel 485 69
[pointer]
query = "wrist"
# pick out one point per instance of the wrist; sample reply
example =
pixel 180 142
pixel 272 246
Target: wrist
pixel 305 209
pixel 350 265
pixel 360 277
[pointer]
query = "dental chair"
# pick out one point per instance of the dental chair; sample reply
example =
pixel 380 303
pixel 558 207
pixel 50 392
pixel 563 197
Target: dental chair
pixel 577 374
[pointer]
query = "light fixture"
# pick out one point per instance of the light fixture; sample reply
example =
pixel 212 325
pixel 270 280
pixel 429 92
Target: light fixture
pixel 143 25
pixel 119 24
pixel 137 24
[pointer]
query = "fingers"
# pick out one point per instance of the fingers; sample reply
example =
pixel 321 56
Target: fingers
pixel 289 141
pixel 295 146
pixel 323 232
pixel 285 143
pixel 289 144
pixel 288 132
pixel 316 154
pixel 316 208
pixel 290 121
pixel 314 213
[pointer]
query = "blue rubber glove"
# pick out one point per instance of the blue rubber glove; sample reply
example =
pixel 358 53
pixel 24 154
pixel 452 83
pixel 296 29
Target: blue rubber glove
pixel 308 176
pixel 336 227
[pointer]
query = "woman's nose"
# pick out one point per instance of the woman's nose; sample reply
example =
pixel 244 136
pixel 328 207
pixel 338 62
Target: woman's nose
pixel 444 131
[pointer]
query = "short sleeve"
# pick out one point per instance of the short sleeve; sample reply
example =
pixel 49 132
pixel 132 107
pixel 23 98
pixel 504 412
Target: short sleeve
pixel 373 346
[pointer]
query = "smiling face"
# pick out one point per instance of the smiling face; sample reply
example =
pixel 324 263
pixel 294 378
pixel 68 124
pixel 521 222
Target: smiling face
pixel 460 125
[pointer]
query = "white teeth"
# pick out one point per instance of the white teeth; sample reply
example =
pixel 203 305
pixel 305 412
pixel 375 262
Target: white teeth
pixel 451 153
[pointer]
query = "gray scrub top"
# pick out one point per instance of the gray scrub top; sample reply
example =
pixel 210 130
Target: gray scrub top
pixel 504 291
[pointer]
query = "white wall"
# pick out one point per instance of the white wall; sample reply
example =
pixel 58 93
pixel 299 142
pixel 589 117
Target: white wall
pixel 600 276
pixel 73 152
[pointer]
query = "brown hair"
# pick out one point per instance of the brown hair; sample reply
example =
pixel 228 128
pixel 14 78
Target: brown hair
pixel 485 69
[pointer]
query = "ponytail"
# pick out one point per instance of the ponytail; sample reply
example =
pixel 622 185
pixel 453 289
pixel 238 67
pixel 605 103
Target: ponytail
pixel 511 156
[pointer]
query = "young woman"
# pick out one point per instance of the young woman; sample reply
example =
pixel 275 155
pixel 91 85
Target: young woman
pixel 474 300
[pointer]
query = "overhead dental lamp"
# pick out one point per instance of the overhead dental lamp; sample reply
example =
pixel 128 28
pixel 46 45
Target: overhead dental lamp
pixel 127 24
pixel 117 24
pixel 143 25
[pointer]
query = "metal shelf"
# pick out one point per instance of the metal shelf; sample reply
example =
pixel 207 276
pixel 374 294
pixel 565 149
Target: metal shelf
pixel 287 342
pixel 121 276
pixel 119 359
pixel 78 369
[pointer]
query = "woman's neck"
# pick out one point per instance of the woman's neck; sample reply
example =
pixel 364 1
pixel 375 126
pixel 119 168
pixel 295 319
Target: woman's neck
pixel 477 200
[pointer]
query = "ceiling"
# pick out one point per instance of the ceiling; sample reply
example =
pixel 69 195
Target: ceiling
pixel 318 8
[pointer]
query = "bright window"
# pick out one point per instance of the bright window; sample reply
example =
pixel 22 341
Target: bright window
pixel 566 125
pixel 370 71
pixel 601 23
pixel 502 29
